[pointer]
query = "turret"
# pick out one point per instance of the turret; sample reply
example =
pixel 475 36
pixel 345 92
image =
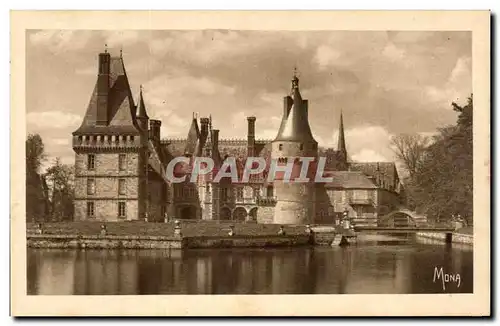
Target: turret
pixel 295 201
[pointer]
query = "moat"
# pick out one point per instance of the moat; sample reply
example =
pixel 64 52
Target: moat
pixel 393 265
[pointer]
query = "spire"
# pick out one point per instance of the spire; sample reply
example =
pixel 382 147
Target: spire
pixel 141 112
pixel 341 141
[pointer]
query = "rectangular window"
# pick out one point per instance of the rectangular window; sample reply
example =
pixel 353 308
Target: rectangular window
pixel 224 194
pixel 121 186
pixel 91 162
pixel 90 186
pixel 239 193
pixel 90 209
pixel 122 162
pixel 360 194
pixel 255 192
pixel 270 191
pixel 122 210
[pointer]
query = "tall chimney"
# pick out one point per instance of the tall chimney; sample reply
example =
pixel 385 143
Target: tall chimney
pixel 103 88
pixel 204 122
pixel 251 136
pixel 215 140
pixel 154 129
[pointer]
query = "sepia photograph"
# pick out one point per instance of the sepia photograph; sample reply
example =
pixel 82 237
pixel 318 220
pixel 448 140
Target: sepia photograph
pixel 219 162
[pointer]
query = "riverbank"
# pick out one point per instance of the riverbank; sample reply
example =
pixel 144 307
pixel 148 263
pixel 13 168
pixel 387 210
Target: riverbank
pixel 158 242
pixel 142 235
pixel 462 236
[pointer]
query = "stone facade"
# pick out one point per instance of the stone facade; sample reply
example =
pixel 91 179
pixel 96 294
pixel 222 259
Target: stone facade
pixel 128 178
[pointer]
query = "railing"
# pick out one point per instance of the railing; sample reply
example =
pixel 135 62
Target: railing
pixel 245 200
pixel 266 201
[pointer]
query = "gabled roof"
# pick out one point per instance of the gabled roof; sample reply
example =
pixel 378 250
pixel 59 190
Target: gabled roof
pixel 385 173
pixel 120 105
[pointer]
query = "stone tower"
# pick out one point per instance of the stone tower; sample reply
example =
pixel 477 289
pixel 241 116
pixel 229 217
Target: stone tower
pixel 295 201
pixel 111 149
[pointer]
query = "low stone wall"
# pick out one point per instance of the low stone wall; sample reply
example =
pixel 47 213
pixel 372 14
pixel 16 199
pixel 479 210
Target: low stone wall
pixel 102 242
pixel 456 237
pixel 246 241
pixel 159 242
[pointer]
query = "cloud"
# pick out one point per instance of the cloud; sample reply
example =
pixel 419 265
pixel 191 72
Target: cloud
pixel 53 119
pixel 86 71
pixel 365 143
pixel 60 41
pixel 121 38
pixel 393 52
pixel 326 56
pixel 368 155
pixel 60 141
pixel 172 124
pixel 458 86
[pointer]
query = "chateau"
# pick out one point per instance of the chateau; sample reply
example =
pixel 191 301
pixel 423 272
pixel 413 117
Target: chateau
pixel 121 161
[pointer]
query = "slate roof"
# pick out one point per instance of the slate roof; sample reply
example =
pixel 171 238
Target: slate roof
pixel 295 125
pixel 121 108
pixel 349 180
pixel 385 173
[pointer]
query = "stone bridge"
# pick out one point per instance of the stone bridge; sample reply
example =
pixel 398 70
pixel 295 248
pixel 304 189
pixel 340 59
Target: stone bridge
pixel 402 218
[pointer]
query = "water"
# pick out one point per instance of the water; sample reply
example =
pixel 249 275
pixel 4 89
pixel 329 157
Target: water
pixel 370 267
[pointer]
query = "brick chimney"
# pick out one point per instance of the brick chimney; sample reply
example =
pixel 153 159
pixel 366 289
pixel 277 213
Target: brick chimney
pixel 215 140
pixel 251 137
pixel 103 88
pixel 154 129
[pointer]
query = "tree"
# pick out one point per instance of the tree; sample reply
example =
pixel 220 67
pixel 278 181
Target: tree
pixel 60 178
pixel 441 179
pixel 36 188
pixel 410 149
pixel 35 153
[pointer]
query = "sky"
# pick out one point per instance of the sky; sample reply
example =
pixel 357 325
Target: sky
pixel 385 83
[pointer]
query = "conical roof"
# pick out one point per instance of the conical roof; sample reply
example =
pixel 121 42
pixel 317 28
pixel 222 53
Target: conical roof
pixel 141 110
pixel 295 125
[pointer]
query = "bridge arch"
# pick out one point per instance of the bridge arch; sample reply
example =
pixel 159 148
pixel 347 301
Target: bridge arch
pixel 402 218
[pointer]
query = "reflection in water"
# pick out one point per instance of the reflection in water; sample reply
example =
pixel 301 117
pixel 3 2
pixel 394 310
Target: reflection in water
pixel 366 268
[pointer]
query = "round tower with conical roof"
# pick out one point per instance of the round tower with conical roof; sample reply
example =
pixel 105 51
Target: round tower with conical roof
pixel 294 200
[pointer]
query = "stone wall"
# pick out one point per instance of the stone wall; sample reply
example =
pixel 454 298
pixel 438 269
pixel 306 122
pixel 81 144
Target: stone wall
pixel 295 202
pixel 456 237
pixel 106 210
pixel 156 200
pixel 105 195
pixel 102 242
pixel 265 214
pixel 160 242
